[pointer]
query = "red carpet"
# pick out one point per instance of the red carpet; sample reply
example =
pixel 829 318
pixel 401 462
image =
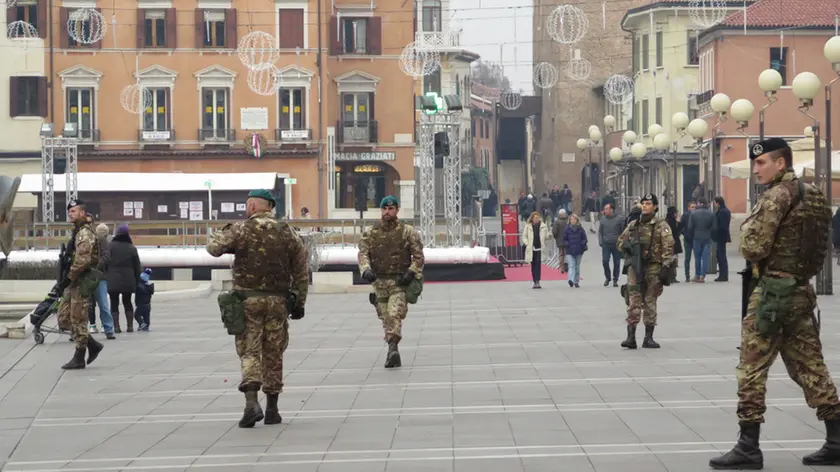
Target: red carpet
pixel 523 274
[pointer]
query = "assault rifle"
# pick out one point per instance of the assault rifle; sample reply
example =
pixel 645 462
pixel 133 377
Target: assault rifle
pixel 747 287
pixel 65 261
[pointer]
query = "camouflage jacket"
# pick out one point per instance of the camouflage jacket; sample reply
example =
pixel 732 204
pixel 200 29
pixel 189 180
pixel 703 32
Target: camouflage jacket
pixel 655 239
pixel 86 255
pixel 389 249
pixel 268 255
pixel 781 240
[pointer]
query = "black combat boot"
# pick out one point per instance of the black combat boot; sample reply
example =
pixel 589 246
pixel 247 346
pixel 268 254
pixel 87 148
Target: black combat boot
pixel 272 414
pixel 630 342
pixel 648 341
pixel 77 362
pixel 745 455
pixel 393 358
pixel 829 454
pixel 253 411
pixel 94 347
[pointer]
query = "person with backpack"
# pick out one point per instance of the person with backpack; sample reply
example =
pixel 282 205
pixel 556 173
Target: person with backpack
pixel 785 241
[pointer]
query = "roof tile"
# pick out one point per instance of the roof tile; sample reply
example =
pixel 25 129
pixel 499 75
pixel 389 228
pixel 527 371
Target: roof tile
pixel 786 13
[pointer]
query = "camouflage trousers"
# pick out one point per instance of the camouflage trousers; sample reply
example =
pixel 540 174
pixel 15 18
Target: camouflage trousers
pixel 73 315
pixel 391 307
pixel 638 301
pixel 798 342
pixel 260 348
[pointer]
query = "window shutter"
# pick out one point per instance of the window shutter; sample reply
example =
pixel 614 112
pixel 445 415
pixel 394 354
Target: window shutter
pixel 291 28
pixel 199 28
pixel 98 44
pixel 335 37
pixel 63 34
pixel 10 15
pixel 285 123
pixel 371 106
pixel 168 93
pixel 303 104
pixel 43 94
pixel 171 28
pixel 14 92
pixel 42 18
pixel 374 35
pixel 231 40
pixel 141 28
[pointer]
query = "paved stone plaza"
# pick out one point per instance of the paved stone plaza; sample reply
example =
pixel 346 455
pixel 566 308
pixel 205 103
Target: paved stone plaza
pixel 495 377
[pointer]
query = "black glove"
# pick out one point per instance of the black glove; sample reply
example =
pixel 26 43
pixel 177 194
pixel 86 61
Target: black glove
pixel 369 276
pixel 297 313
pixel 666 275
pixel 408 277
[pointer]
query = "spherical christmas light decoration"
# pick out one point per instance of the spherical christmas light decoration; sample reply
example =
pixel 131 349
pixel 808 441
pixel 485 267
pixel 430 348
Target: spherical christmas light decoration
pixel 616 154
pixel 578 69
pixel 638 150
pixel 662 141
pixel 135 99
pixel 86 26
pixel 707 13
pixel 619 89
pixel 680 120
pixel 258 50
pixel 510 100
pixel 21 30
pixel 629 137
pixel 264 81
pixel 567 24
pixel 418 62
pixel 545 75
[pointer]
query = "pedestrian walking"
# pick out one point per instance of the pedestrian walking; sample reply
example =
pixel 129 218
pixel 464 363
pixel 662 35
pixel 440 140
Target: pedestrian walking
pixel 534 237
pixel 609 231
pixel 576 244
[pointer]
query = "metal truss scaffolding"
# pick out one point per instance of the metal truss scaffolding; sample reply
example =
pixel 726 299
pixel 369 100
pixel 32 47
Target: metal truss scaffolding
pixel 428 127
pixel 51 148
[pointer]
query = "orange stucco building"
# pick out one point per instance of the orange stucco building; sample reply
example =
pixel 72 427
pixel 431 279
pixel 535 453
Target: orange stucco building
pixel 731 61
pixel 341 123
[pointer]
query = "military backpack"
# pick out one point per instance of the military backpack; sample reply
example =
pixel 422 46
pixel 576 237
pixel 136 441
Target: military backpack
pixel 816 223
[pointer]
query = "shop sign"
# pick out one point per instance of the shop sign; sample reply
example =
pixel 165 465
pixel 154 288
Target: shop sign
pixel 365 156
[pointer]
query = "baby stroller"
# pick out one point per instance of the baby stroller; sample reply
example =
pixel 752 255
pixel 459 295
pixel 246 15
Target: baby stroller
pixel 42 312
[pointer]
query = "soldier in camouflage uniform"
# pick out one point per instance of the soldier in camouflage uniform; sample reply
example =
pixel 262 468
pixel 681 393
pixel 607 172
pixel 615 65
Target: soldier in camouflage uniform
pixel 656 246
pixel 786 240
pixel 270 271
pixel 390 257
pixel 74 305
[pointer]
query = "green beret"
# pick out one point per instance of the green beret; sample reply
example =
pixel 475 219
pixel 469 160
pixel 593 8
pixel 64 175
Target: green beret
pixel 264 194
pixel 390 200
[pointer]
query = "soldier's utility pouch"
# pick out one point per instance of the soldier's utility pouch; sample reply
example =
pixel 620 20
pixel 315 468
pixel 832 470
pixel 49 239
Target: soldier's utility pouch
pixel 625 294
pixel 372 298
pixel 775 298
pixel 89 281
pixel 232 306
pixel 414 290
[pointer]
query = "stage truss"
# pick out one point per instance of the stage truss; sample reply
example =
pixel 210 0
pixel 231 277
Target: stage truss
pixel 450 123
pixel 51 148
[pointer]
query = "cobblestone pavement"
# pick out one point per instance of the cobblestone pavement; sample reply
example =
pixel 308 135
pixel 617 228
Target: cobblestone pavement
pixel 495 377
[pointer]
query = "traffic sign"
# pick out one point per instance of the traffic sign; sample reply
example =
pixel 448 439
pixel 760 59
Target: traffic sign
pixel 291 181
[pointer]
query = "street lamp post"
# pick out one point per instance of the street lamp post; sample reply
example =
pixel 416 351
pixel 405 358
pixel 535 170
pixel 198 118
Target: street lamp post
pixel 720 106
pixel 680 121
pixel 584 144
pixel 609 128
pixel 629 138
pixel 806 86
pixel 662 142
pixel 770 82
pixel 832 54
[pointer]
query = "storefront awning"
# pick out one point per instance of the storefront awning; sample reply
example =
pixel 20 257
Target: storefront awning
pixel 803 154
pixel 155 182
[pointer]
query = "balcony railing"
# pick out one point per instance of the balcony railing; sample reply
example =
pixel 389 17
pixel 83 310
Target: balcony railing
pixel 292 135
pixel 437 39
pixel 150 136
pixel 358 132
pixel 216 134
pixel 705 96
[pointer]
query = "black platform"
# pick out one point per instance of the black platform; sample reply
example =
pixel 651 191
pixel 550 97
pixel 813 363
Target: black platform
pixel 436 272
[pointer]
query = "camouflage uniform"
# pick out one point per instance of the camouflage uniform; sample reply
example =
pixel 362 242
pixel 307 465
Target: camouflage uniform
pixel 656 244
pixel 73 310
pixel 777 242
pixel 270 262
pixel 390 249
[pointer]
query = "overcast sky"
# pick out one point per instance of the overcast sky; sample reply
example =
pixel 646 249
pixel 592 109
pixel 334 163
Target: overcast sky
pixel 489 31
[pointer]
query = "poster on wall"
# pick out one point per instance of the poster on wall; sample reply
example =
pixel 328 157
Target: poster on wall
pixel 196 215
pixel 185 213
pixel 184 206
pixel 128 211
pixel 240 207
pixel 227 207
pixel 138 205
pixel 138 213
pixel 163 209
pixel 196 206
pixel 127 205
pixel 510 224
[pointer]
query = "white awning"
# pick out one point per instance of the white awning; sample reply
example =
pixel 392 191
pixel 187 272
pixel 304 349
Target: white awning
pixel 803 155
pixel 154 182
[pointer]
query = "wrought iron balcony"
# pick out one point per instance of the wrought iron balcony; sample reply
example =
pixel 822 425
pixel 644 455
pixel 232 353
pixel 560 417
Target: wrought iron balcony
pixel 705 96
pixel 217 134
pixel 358 132
pixel 292 135
pixel 153 136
